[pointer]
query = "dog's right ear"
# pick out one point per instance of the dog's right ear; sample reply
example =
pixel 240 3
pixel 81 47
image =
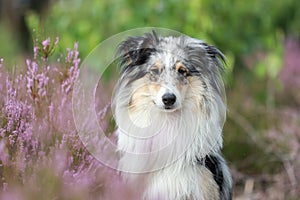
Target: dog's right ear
pixel 136 51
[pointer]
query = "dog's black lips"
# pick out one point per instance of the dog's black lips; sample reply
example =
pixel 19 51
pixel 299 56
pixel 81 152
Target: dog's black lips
pixel 165 107
pixel 168 107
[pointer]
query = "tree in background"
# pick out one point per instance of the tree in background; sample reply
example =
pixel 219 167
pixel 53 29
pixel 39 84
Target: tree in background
pixel 14 14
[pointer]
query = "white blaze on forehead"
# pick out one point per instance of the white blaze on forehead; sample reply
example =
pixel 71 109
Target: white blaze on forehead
pixel 170 51
pixel 168 60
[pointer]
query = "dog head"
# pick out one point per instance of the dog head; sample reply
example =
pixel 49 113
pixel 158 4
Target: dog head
pixel 168 73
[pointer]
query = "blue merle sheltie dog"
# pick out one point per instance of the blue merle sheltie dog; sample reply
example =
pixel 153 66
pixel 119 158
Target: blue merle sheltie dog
pixel 170 108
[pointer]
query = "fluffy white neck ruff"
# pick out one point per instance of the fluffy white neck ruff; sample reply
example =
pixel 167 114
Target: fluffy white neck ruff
pixel 150 139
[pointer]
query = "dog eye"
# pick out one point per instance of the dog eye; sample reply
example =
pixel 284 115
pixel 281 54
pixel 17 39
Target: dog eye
pixel 183 71
pixel 154 70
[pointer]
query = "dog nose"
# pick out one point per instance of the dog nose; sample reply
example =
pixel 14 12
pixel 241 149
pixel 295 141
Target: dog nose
pixel 168 99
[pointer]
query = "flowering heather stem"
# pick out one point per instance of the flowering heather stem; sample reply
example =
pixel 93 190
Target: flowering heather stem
pixel 39 146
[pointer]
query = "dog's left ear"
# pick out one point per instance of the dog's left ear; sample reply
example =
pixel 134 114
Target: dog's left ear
pixel 136 51
pixel 214 53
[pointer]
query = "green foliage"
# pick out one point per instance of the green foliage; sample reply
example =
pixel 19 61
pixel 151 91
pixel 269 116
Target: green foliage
pixel 238 28
pixel 9 47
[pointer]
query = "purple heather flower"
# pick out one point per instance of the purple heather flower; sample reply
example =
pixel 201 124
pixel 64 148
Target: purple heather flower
pixel 4 157
pixel 69 55
pixel 35 51
pixel 1 62
pixel 73 71
pixel 46 43
pixel 56 41
pixel 36 82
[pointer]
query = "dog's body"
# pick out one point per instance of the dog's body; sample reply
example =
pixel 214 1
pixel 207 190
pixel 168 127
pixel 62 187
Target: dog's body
pixel 170 109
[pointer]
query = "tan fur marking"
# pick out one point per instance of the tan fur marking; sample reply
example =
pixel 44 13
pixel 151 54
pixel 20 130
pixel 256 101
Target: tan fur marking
pixel 154 88
pixel 158 64
pixel 180 66
pixel 140 99
pixel 139 93
pixel 179 86
pixel 144 93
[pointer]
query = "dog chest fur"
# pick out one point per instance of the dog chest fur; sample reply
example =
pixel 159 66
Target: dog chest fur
pixel 188 183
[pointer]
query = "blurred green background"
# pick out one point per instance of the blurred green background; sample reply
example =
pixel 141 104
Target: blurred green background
pixel 260 39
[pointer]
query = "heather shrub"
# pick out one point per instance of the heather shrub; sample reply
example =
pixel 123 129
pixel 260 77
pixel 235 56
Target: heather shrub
pixel 41 155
